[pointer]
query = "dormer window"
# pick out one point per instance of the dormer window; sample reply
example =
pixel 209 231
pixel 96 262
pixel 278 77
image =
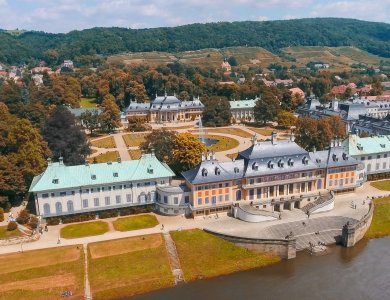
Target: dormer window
pixel 383 145
pixel 281 163
pixel 290 162
pixel 270 164
pixel 204 172
pixel 236 170
pixel 334 157
pixel 217 171
pixel 305 160
pixel 150 170
pixel 255 166
pixel 93 177
pixel 115 174
pixel 55 181
pixel 345 157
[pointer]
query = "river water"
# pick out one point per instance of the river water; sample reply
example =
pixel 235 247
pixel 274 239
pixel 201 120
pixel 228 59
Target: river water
pixel 361 272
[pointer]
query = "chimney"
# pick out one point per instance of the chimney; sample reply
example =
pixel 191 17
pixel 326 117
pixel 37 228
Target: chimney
pixel 213 155
pixel 254 139
pixel 119 160
pixel 203 157
pixel 273 138
pixel 86 163
pixel 61 160
pixel 49 161
pixel 292 137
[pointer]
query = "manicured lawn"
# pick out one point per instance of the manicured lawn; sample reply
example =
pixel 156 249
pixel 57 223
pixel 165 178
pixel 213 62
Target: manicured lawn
pixel 107 142
pixel 380 225
pixel 42 274
pixel 87 102
pixel 233 131
pixel 262 131
pixel 105 157
pixel 135 222
pixel 84 229
pixel 134 139
pixel 135 154
pixel 382 185
pixel 204 255
pixel 125 267
pixel 224 143
pixel 5 234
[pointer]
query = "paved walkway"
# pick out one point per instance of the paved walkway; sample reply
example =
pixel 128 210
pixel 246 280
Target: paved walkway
pixel 121 146
pixel 173 258
pixel 87 287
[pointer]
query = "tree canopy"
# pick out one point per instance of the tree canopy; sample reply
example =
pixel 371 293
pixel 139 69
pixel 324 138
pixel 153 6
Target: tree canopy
pixel 65 138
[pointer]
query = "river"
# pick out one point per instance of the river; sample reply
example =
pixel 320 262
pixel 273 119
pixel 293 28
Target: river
pixel 361 272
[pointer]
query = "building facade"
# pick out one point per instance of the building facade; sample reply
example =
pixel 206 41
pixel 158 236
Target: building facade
pixel 63 190
pixel 243 110
pixel 165 109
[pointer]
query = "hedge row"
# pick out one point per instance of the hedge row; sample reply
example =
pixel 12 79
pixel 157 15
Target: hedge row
pixel 103 214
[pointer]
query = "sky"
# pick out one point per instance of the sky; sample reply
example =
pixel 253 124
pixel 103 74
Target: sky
pixel 66 15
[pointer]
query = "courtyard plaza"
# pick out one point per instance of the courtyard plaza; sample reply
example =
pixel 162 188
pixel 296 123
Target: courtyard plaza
pixel 291 221
pixel 123 151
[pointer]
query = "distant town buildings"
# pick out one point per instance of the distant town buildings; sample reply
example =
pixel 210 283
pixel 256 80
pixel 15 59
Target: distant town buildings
pixel 285 82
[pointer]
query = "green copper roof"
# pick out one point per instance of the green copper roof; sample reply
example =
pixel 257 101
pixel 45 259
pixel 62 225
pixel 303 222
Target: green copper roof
pixel 77 112
pixel 367 145
pixel 243 103
pixel 59 176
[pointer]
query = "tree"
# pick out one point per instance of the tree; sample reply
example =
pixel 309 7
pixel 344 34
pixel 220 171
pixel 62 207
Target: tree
pixel 65 138
pixel 67 90
pixel 286 119
pixel 90 120
pixel 216 112
pixel 138 124
pixel 110 117
pixel 162 143
pixel 187 152
pixel 311 133
pixel 321 86
pixel 266 108
pixel 232 61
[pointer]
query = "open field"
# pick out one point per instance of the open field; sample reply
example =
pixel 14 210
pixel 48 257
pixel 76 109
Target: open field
pixel 134 139
pixel 230 130
pixel 380 225
pixel 337 57
pixel 105 157
pixel 130 266
pixel 42 274
pixel 246 56
pixel 135 222
pixel 107 142
pixel 340 58
pixel 87 102
pixel 84 229
pixel 382 185
pixel 135 154
pixel 5 234
pixel 214 256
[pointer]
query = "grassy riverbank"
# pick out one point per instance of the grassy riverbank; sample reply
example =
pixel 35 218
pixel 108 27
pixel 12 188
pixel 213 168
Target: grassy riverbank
pixel 380 225
pixel 125 267
pixel 42 274
pixel 203 255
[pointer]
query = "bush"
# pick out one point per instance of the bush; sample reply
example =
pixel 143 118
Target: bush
pixel 24 217
pixel 1 214
pixel 12 226
pixel 33 223
pixel 53 221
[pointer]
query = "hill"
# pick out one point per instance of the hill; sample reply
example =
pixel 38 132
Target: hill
pixel 339 58
pixel 271 35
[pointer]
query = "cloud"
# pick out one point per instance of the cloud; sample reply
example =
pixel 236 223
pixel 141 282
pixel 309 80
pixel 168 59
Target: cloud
pixel 66 15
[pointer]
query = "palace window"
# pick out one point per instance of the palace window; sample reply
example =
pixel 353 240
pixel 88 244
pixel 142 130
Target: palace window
pixel 107 200
pixel 129 198
pixel 45 195
pixel 199 201
pixel 118 199
pixel 187 199
pixel 85 203
pixel 176 200
pixel 207 200
pixel 96 202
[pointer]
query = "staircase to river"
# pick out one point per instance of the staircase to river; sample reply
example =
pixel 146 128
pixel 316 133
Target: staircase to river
pixel 174 259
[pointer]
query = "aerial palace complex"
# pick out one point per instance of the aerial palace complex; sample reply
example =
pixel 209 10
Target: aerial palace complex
pixel 268 177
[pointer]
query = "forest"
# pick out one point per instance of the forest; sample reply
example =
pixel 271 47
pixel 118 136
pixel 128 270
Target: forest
pixel 272 35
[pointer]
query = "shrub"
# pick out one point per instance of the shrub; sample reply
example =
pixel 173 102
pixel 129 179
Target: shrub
pixel 12 226
pixel 33 222
pixel 53 221
pixel 24 217
pixel 1 214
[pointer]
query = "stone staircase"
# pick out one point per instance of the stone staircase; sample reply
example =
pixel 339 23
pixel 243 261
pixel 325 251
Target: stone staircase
pixel 310 207
pixel 174 259
pixel 325 230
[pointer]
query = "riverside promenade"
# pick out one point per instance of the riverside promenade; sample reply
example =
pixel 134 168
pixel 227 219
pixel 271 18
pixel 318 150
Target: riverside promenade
pixel 225 224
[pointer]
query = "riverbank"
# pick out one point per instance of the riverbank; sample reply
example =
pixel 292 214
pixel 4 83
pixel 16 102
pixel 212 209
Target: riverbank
pixel 203 255
pixel 380 225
